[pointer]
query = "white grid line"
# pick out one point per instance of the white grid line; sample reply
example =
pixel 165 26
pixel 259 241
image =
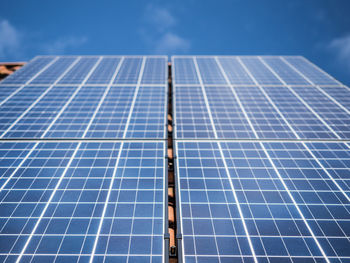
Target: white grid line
pixel 295 203
pixel 287 189
pixel 236 97
pixel 47 203
pixel 106 203
pixel 205 97
pixel 225 164
pixel 135 96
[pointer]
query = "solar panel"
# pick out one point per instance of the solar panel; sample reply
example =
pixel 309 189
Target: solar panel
pixel 72 201
pixel 275 196
pixel 82 160
pixel 273 107
pixel 75 93
pixel 262 160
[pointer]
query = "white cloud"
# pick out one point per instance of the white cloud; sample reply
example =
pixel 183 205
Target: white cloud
pixel 341 47
pixel 159 18
pixel 158 31
pixel 10 38
pixel 61 45
pixel 171 42
pixel 18 44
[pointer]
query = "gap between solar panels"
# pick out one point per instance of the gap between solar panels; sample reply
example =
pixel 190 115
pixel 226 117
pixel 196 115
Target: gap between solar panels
pixel 173 217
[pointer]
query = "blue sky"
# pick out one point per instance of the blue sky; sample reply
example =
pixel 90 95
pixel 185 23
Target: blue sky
pixel 316 29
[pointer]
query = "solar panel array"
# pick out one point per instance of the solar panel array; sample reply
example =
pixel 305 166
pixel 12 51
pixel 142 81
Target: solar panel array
pixel 82 160
pixel 263 158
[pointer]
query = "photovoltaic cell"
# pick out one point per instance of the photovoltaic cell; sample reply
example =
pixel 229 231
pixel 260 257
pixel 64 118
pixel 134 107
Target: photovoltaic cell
pixel 94 197
pixel 340 94
pixel 273 221
pixel 335 158
pixel 303 121
pixel 276 112
pixel 111 118
pixel 310 71
pixel 259 71
pixel 6 91
pixel 337 118
pixel 209 70
pixel 211 225
pixel 235 71
pixel 184 71
pixel 228 117
pixel 80 70
pixel 267 122
pixel 104 71
pixel 132 229
pixel 325 206
pixel 15 106
pixel 77 115
pixel 50 75
pixel 27 189
pixel 155 71
pixel 35 122
pixel 129 72
pixel 148 114
pixel 192 119
pixel 288 74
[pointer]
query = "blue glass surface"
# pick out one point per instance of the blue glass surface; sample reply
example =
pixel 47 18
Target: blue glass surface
pixel 291 206
pixel 262 160
pixel 61 198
